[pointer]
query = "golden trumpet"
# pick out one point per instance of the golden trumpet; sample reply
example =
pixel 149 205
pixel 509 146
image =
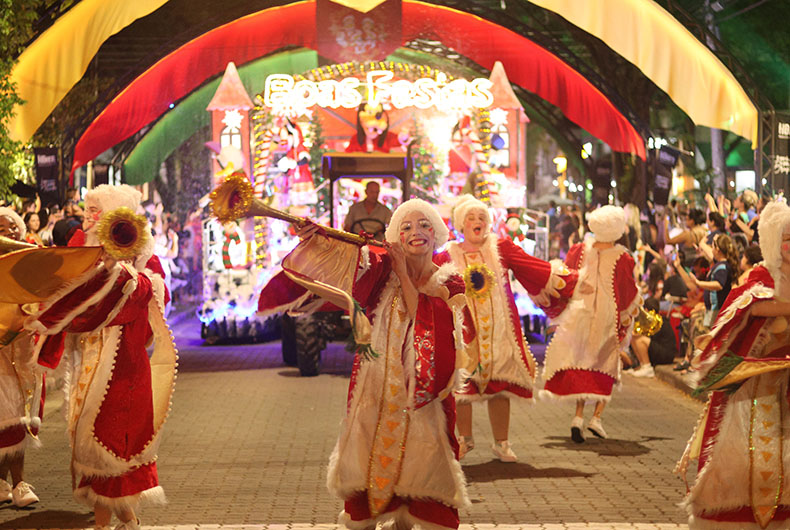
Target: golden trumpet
pixel 10 245
pixel 647 322
pixel 234 199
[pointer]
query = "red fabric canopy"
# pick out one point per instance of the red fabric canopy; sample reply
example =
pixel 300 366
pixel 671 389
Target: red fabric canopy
pixel 248 38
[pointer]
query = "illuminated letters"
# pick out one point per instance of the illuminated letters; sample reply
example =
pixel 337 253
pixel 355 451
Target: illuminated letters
pixel 282 91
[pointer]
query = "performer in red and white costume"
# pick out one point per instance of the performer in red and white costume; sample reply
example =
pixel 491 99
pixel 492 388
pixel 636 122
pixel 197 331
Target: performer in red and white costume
pixel 743 438
pixel 19 417
pixel 506 367
pixel 583 357
pixel 396 458
pixel 118 399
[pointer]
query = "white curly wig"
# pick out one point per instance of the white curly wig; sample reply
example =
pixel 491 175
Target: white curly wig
pixel 607 223
pixel 774 221
pixel 111 198
pixel 11 214
pixel 439 228
pixel 464 205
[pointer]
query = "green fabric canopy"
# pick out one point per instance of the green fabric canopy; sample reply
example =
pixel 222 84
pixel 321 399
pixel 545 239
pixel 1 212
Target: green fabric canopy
pixel 190 114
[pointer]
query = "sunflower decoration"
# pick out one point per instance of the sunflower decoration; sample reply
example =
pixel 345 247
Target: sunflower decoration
pixel 233 198
pixel 123 233
pixel 479 280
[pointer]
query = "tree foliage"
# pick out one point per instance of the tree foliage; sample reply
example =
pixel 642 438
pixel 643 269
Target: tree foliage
pixel 19 19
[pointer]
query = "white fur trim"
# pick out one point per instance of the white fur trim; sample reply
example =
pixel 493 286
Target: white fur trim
pixel 153 496
pixel 475 398
pixel 546 395
pixel 400 518
pixel 607 223
pixel 510 340
pixel 427 436
pixel 440 229
pixel 110 198
pixel 32 323
pixel 11 214
pixel 759 291
pixel 15 449
pixel 464 205
pixel 91 456
pixel 697 523
pixel 774 221
pixel 364 260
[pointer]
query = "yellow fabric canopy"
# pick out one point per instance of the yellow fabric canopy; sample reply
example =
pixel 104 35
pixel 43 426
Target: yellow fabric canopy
pixel 55 61
pixel 667 53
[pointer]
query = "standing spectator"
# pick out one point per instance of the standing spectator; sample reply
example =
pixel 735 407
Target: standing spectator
pixel 720 278
pixel 583 358
pixel 689 238
pixel 55 215
pixel 716 226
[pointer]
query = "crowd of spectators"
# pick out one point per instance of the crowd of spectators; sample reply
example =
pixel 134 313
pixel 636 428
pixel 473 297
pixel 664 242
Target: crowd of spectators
pixel 55 224
pixel 689 256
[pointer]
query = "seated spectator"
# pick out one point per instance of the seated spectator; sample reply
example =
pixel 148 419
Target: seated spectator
pixel 651 351
pixel 693 309
pixel 751 256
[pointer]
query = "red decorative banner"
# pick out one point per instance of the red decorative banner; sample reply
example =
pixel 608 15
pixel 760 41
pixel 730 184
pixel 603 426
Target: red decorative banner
pixel 345 34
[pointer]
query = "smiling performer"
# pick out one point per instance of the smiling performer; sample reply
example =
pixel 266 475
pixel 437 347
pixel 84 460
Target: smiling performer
pixel 506 367
pixel 395 461
pixel 742 440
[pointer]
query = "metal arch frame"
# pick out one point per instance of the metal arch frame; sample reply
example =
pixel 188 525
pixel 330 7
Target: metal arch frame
pixel 766 119
pixel 510 19
pixel 513 18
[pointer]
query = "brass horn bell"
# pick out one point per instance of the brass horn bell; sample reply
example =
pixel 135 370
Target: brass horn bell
pixel 647 322
pixel 10 245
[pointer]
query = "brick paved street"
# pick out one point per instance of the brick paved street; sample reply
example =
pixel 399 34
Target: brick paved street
pixel 248 441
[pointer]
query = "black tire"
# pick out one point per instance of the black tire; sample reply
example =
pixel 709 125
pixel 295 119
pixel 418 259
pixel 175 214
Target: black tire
pixel 310 342
pixel 288 333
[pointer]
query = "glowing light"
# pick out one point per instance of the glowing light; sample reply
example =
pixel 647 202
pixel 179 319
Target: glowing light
pixel 613 184
pixel 589 185
pixel 233 119
pixel 281 91
pixel 572 187
pixel 555 183
pixel 562 163
pixel 586 150
pixel 498 117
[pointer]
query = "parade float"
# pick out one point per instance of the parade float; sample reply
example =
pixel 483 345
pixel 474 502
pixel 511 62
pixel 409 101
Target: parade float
pixel 309 143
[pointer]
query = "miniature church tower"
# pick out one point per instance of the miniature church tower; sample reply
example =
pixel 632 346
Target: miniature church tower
pixel 230 120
